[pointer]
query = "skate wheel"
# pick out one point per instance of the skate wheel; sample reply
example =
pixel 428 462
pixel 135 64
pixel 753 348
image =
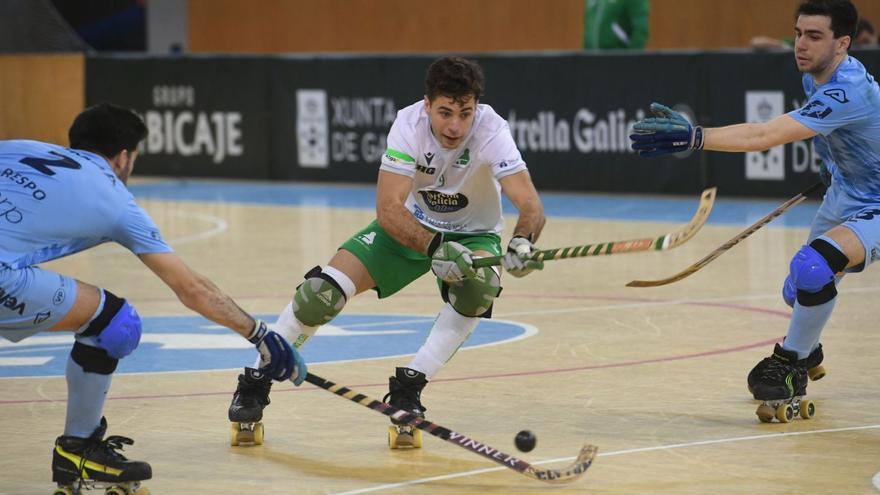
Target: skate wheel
pixel 258 434
pixel 417 439
pixel 765 413
pixel 63 491
pixel 808 409
pixel 116 490
pixel 784 413
pixel 233 434
pixel 816 373
pixel 142 491
pixel 392 437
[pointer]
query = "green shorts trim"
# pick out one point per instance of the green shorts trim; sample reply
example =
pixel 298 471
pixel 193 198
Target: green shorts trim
pixel 393 266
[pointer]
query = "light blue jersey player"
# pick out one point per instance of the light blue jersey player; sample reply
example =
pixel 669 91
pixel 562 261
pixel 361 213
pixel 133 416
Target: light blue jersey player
pixel 57 201
pixel 842 115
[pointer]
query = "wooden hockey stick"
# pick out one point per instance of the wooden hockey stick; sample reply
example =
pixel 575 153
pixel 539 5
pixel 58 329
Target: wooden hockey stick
pixel 729 244
pixel 563 475
pixel 662 243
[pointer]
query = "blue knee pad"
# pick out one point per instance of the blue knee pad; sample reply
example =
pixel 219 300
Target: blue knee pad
pixel 117 328
pixel 789 292
pixel 811 272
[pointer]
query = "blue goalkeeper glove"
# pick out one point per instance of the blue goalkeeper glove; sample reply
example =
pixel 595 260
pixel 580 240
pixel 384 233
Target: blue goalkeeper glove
pixel 278 358
pixel 668 132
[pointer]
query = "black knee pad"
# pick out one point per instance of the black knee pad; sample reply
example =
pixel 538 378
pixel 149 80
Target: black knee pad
pixel 93 359
pixel 112 304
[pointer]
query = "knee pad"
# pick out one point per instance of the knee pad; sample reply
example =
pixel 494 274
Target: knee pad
pixel 117 328
pixel 93 359
pixel 789 291
pixel 319 299
pixel 474 296
pixel 812 272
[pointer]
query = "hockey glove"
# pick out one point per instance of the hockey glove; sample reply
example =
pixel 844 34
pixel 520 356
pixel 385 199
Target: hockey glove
pixel 516 262
pixel 450 261
pixel 278 359
pixel 668 132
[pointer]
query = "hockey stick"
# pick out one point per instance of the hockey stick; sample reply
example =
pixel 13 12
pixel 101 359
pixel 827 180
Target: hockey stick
pixel 563 475
pixel 662 243
pixel 729 244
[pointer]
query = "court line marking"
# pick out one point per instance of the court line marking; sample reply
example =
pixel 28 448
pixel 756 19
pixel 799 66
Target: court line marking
pixel 876 481
pixel 640 450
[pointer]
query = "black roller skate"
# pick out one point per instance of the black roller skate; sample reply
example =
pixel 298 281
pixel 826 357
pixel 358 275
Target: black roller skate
pixel 246 409
pixel 781 384
pixel 80 464
pixel 815 370
pixel 404 392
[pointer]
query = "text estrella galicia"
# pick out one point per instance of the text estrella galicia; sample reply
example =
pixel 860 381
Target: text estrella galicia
pixel 836 94
pixel 816 109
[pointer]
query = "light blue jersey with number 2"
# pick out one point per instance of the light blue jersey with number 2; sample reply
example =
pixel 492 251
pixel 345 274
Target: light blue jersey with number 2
pixel 56 201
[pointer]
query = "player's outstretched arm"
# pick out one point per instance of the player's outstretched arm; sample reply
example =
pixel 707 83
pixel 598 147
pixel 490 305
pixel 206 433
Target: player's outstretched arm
pixel 278 358
pixel 670 132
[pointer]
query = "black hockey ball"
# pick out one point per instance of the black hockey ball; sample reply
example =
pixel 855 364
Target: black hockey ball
pixel 525 441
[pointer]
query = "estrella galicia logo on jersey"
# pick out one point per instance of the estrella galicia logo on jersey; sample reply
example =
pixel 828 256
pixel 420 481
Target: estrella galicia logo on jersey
pixel 429 157
pixel 444 203
pixel 816 109
pixel 836 94
pixel 192 343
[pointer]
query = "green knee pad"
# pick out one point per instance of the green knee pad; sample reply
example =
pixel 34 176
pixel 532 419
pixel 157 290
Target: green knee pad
pixel 317 301
pixel 474 296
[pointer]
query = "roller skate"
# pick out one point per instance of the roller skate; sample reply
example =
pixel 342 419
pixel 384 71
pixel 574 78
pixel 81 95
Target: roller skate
pixel 80 464
pixel 815 370
pixel 246 409
pixel 781 385
pixel 404 392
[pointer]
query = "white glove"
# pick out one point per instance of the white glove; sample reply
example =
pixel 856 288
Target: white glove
pixel 517 261
pixel 452 262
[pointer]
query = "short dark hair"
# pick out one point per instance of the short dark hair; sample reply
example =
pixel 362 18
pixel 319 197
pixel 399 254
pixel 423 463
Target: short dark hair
pixel 107 129
pixel 843 15
pixel 456 78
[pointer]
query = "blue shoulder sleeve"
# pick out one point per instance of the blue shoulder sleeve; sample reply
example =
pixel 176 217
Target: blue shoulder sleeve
pixel 137 232
pixel 831 108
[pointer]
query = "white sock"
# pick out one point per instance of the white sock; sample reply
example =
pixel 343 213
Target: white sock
pixel 342 279
pixel 449 332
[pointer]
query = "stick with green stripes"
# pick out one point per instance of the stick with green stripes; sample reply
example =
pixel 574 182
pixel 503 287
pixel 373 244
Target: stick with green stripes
pixel 662 243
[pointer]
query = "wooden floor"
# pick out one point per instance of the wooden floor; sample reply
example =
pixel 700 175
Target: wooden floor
pixel 654 377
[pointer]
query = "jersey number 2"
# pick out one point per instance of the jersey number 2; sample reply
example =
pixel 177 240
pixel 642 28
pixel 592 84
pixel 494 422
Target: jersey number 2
pixel 43 164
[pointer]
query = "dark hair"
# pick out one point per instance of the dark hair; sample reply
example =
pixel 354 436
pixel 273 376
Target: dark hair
pixel 843 15
pixel 456 78
pixel 106 129
pixel 864 25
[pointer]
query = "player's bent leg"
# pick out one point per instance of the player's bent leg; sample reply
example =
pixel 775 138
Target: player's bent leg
pixel 112 334
pixel 812 275
pixel 82 456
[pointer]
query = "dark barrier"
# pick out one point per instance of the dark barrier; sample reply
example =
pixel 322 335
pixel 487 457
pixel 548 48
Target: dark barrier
pixel 327 118
pixel 207 117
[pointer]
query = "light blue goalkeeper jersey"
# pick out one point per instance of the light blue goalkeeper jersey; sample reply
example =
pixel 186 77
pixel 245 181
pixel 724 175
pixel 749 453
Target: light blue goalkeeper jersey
pixel 56 201
pixel 845 112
